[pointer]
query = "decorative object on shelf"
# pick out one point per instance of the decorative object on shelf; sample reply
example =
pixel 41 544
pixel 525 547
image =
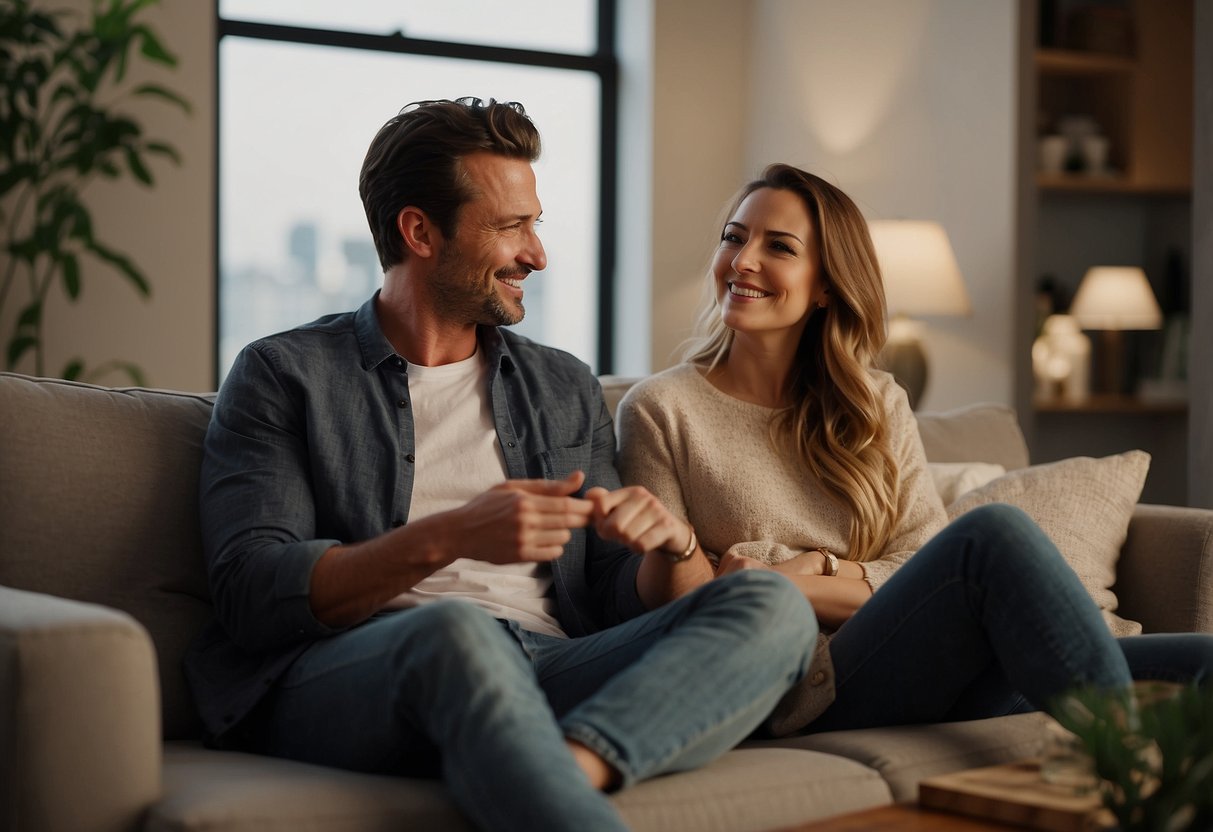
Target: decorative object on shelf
pixel 1113 299
pixel 1061 361
pixel 1053 150
pixel 921 277
pixel 1153 757
pixel 62 82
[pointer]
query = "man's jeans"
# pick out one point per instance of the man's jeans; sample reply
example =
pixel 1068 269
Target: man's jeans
pixel 667 691
pixel 987 619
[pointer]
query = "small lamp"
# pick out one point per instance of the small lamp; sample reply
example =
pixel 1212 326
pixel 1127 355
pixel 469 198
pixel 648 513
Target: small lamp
pixel 1113 299
pixel 920 278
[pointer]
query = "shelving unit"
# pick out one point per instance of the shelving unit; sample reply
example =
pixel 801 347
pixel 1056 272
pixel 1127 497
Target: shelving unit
pixel 1133 214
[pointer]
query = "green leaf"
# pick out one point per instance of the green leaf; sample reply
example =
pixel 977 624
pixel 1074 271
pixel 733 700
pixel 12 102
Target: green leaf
pixel 136 165
pixel 123 264
pixel 31 316
pixel 161 92
pixel 18 347
pixel 72 370
pixel 163 149
pixel 153 49
pixel 71 275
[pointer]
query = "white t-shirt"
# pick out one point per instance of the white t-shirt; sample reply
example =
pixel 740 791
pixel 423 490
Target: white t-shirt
pixel 458 458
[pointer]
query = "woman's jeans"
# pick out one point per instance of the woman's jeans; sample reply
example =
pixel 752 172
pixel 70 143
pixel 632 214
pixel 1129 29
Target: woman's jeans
pixel 446 687
pixel 987 619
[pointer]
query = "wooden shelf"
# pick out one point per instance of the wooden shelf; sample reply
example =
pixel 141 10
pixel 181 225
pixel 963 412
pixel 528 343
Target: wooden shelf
pixel 1073 62
pixel 1077 183
pixel 1106 403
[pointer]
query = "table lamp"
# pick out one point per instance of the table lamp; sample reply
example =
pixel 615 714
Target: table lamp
pixel 921 278
pixel 1112 299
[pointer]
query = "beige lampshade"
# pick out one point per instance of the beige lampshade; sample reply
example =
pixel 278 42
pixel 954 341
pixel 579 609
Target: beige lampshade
pixel 920 272
pixel 1116 297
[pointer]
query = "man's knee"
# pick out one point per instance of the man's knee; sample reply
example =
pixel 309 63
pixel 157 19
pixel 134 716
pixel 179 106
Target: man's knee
pixel 774 606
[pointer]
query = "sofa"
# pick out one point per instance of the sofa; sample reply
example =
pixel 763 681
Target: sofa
pixel 102 586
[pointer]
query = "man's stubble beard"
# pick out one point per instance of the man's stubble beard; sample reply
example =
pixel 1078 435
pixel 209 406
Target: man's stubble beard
pixel 460 294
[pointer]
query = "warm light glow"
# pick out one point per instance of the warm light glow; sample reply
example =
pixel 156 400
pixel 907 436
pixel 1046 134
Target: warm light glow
pixel 1116 297
pixel 921 276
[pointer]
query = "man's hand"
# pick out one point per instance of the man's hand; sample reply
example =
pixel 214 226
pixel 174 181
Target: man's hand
pixel 634 517
pixel 522 520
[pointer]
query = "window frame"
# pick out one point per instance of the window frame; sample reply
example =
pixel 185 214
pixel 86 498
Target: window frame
pixel 604 63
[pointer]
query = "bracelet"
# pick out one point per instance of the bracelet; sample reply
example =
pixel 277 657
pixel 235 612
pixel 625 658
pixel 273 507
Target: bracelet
pixel 831 567
pixel 686 553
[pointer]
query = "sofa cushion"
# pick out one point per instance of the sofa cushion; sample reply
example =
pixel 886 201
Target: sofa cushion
pixel 907 754
pixel 99 502
pixel 1084 505
pixel 747 789
pixel 974 433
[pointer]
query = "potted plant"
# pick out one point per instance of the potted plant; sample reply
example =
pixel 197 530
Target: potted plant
pixel 61 86
pixel 1152 753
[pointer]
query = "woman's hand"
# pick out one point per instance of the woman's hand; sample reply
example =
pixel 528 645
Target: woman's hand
pixel 811 562
pixel 730 562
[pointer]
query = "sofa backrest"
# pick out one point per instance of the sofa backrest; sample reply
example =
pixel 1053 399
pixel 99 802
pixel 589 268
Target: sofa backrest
pixel 99 502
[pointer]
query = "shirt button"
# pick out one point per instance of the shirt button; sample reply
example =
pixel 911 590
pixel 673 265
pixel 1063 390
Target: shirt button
pixel 509 444
pixel 411 458
pixel 818 678
pixel 402 403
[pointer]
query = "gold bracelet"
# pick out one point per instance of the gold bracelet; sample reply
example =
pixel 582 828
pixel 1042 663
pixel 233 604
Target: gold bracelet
pixel 686 553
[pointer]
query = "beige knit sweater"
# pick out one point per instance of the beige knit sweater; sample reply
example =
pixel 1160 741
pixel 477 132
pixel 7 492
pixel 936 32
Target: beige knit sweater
pixel 708 457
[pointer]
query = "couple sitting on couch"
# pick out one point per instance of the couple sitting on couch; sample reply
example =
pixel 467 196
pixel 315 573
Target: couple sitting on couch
pixel 364 470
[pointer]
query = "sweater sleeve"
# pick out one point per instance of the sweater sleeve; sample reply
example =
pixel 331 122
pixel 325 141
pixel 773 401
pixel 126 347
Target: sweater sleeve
pixel 920 512
pixel 647 439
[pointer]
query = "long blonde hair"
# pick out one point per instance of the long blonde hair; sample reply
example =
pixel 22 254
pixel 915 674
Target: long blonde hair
pixel 836 421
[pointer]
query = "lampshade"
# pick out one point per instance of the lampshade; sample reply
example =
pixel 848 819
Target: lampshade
pixel 1116 297
pixel 920 272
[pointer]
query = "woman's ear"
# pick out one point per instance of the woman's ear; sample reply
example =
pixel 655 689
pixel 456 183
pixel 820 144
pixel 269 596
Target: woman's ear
pixel 418 233
pixel 824 299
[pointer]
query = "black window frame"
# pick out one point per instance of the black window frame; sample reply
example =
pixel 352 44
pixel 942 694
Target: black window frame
pixel 604 63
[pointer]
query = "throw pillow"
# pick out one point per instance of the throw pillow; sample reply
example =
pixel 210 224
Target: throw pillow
pixel 1084 506
pixel 952 479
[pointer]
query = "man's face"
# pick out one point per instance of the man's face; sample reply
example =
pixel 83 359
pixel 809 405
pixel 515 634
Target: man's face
pixel 481 269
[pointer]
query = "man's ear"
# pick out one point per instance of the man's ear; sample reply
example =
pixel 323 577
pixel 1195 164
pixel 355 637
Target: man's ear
pixel 418 232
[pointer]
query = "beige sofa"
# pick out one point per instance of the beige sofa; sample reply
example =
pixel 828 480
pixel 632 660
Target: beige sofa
pixel 102 586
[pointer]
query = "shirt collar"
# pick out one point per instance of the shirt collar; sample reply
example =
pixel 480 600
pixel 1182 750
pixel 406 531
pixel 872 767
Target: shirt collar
pixel 376 348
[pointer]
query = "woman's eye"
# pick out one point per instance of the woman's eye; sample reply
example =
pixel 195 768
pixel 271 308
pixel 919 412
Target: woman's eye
pixel 729 237
pixel 782 247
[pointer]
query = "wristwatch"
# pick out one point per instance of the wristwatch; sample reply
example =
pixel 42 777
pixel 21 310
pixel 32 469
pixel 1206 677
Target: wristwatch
pixel 831 564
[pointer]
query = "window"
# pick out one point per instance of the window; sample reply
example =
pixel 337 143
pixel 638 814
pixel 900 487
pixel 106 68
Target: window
pixel 299 104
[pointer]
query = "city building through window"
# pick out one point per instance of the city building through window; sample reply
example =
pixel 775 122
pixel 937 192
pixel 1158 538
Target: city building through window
pixel 305 84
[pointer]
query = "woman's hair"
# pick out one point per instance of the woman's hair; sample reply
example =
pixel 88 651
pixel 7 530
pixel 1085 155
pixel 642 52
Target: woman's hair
pixel 836 421
pixel 417 159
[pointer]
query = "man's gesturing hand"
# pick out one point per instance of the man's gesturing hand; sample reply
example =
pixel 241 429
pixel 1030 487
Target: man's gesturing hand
pixel 522 520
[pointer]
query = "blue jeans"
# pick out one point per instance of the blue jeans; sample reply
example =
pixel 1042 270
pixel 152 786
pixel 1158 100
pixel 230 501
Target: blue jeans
pixel 985 616
pixel 448 688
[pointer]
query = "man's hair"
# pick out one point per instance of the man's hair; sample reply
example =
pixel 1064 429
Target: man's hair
pixel 416 159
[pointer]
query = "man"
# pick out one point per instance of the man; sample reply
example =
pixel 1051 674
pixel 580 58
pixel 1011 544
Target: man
pixel 407 571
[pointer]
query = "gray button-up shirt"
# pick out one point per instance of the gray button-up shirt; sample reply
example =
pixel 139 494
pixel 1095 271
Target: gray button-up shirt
pixel 311 445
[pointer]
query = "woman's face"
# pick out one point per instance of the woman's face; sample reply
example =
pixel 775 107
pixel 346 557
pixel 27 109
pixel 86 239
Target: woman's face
pixel 768 265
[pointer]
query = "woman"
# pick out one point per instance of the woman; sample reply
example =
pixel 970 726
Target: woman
pixel 784 449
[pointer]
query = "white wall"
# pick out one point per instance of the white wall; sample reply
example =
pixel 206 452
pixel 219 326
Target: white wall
pixel 909 107
pixel 700 82
pixel 167 231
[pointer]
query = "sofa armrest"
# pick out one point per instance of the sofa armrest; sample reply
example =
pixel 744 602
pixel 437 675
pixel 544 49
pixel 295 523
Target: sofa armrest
pixel 79 716
pixel 1164 578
